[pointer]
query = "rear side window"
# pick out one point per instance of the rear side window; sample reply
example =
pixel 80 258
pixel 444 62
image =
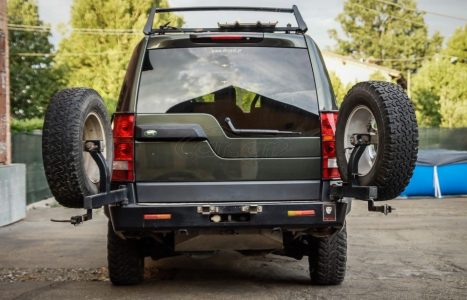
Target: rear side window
pixel 256 88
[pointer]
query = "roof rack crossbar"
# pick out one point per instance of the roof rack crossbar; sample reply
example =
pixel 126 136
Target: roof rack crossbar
pixel 148 30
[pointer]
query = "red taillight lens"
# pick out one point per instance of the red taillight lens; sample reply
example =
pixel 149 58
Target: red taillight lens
pixel 328 145
pixel 124 126
pixel 123 135
pixel 123 151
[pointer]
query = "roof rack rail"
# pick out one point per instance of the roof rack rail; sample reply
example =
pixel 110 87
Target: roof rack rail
pixel 148 30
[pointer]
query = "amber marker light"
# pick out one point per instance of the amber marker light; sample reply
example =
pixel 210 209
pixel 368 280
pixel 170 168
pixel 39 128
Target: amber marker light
pixel 158 216
pixel 301 213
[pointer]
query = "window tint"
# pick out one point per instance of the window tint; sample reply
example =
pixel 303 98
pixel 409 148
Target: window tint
pixel 257 88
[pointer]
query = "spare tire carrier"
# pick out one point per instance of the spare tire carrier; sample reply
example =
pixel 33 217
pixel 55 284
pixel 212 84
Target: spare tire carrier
pixel 105 196
pixel 352 188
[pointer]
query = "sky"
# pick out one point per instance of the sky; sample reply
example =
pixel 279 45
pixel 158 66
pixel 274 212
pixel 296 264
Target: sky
pixel 318 14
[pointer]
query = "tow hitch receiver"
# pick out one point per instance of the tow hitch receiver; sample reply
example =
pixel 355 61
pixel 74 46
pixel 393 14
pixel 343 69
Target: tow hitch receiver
pixel 352 188
pixel 105 195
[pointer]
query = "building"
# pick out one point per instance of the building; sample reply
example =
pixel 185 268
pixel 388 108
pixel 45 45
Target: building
pixel 350 70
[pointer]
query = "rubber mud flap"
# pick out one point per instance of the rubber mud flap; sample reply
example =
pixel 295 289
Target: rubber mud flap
pixel 385 110
pixel 73 116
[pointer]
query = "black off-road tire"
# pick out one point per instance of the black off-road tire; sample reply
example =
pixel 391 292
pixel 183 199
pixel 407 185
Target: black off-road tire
pixel 397 136
pixel 62 143
pixel 327 258
pixel 125 260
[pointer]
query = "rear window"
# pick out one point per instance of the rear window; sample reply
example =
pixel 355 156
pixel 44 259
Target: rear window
pixel 256 88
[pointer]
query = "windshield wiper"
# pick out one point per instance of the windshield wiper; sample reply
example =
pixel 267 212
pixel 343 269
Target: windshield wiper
pixel 260 131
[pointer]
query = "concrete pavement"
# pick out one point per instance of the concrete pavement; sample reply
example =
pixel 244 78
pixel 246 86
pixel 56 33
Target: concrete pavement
pixel 420 251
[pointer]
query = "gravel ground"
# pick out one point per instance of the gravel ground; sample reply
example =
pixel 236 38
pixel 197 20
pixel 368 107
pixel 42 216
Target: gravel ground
pixel 420 251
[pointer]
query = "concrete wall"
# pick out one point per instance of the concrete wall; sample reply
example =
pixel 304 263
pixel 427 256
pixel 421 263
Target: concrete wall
pixel 12 193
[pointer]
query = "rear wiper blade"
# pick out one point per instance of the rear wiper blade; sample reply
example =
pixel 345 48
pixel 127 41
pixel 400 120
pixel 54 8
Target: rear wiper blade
pixel 260 131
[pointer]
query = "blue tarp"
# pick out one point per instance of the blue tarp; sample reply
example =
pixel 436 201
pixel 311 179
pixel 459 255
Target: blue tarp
pixel 438 173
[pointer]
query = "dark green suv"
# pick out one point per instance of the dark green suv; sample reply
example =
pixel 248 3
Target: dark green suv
pixel 225 139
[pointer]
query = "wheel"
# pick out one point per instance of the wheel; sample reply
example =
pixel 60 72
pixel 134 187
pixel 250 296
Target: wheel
pixel 382 109
pixel 327 258
pixel 73 116
pixel 125 261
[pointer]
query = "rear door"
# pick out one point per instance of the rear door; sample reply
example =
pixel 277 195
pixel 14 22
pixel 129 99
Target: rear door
pixel 227 123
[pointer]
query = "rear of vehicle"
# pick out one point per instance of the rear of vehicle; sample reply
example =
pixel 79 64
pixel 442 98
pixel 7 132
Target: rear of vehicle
pixel 225 139
pixel 225 130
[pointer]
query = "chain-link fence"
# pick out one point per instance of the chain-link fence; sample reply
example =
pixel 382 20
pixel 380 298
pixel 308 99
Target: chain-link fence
pixel 443 138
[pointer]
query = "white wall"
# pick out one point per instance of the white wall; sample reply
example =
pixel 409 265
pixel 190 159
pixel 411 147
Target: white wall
pixel 350 71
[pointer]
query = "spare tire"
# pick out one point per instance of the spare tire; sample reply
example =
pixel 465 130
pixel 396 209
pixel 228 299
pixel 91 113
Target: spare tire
pixel 73 116
pixel 383 109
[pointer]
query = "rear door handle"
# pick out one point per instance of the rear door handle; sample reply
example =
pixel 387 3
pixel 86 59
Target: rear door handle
pixel 170 131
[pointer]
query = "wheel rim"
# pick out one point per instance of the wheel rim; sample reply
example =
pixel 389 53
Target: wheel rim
pixel 361 120
pixel 93 130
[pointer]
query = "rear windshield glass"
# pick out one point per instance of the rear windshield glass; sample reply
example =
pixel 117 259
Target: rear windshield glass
pixel 256 88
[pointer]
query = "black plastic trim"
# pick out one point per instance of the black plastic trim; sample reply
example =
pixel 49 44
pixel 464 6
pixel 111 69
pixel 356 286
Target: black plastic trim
pixel 160 192
pixel 170 132
pixel 277 40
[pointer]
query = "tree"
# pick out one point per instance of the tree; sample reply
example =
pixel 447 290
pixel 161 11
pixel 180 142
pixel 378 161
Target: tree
pixel 340 90
pixel 457 45
pixel 32 75
pixel 377 75
pixel 99 59
pixel 439 89
pixel 389 33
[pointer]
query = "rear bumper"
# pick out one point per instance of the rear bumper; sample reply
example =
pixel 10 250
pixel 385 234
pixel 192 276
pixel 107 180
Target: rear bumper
pixel 283 215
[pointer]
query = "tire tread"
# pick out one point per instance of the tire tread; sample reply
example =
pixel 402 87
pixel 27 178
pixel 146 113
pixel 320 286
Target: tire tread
pixel 126 264
pixel 328 259
pixel 400 145
pixel 61 145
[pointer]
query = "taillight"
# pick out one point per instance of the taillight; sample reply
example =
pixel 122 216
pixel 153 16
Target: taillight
pixel 123 138
pixel 328 145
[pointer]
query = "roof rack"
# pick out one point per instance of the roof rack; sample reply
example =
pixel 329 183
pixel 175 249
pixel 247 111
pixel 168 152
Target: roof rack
pixel 148 30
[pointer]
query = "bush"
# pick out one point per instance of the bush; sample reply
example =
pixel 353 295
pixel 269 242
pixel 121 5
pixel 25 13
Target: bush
pixel 26 125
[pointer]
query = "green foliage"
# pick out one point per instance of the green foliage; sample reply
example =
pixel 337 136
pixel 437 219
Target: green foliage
pixel 33 79
pixel 340 90
pixel 99 61
pixel 245 99
pixel 386 32
pixel 26 125
pixel 439 89
pixel 378 76
pixel 457 45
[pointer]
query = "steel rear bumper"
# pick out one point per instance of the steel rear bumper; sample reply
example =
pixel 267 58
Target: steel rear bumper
pixel 171 216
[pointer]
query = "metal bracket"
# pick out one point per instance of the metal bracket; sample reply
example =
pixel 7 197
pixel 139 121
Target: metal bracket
pixel 148 29
pixel 105 195
pixel 352 188
pixel 385 209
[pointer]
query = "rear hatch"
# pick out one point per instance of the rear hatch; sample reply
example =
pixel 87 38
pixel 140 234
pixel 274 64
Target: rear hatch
pixel 227 121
